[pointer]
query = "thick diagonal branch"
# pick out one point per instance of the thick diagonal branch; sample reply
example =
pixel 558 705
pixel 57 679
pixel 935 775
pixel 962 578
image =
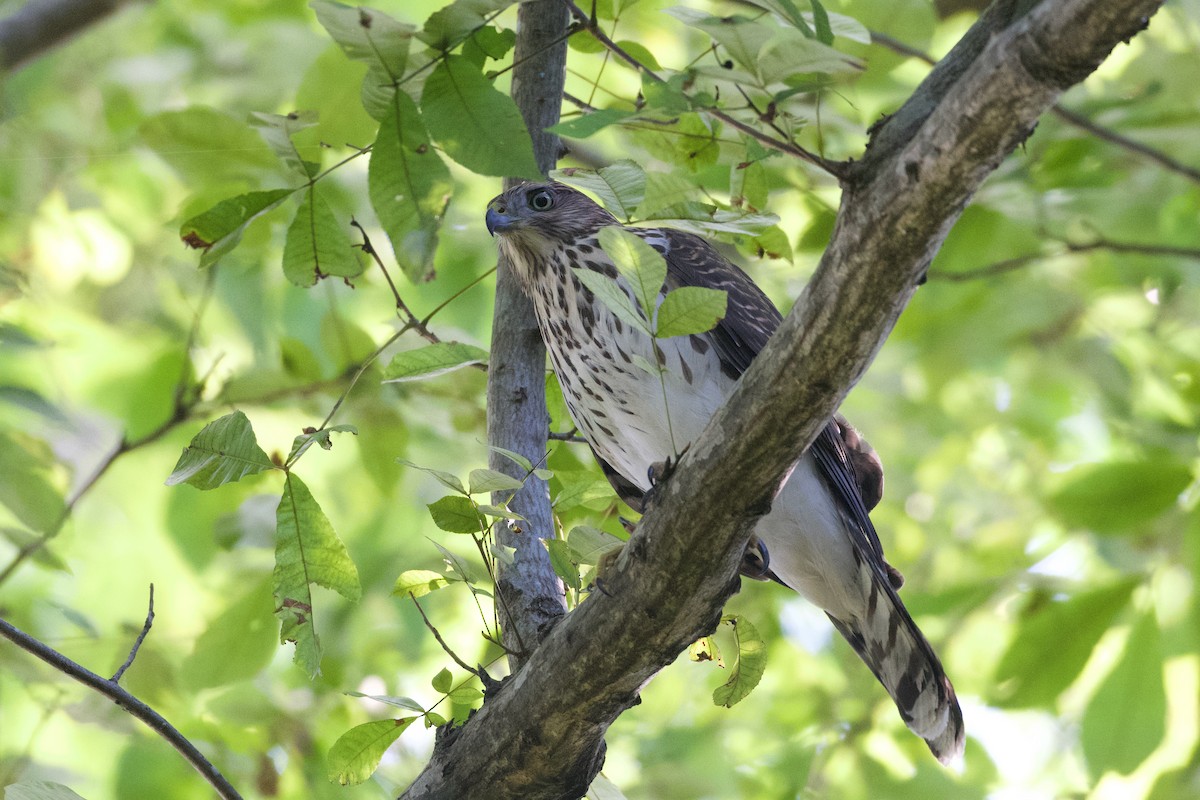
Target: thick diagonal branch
pixel 43 24
pixel 537 737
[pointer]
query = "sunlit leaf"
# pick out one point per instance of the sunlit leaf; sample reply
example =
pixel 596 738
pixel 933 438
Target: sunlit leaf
pixel 39 790
pixel 1041 661
pixel 705 649
pixel 639 263
pixel 356 754
pixel 432 360
pixel 609 292
pixel 751 663
pixel 704 218
pixel 317 244
pixel 409 186
pixel 225 450
pixel 442 681
pixel 418 583
pixel 690 309
pixel 621 186
pixel 307 552
pixel 456 515
pixel 406 703
pixel 1126 719
pixel 477 126
pixel 219 230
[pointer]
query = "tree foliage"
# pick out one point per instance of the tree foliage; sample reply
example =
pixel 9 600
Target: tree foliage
pixel 228 233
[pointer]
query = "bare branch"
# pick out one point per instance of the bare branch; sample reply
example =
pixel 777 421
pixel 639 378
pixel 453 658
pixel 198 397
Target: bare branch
pixel 540 737
pixel 40 25
pixel 137 643
pixel 1017 262
pixel 440 640
pixel 113 691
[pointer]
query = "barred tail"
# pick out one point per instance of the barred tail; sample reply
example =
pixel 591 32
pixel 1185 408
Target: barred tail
pixel 888 640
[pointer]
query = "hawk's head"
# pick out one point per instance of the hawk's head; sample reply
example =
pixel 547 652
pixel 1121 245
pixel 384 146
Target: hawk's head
pixel 535 219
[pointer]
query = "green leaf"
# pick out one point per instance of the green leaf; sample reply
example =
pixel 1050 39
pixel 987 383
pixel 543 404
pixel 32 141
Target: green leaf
pixel 489 480
pixel 477 126
pixel 705 649
pixel 690 309
pixel 704 218
pixel 277 130
pixel 447 27
pixel 39 790
pixel 613 296
pixel 356 754
pixel 219 230
pixel 418 583
pixel 518 459
pixel 620 186
pixel 208 147
pixel 638 262
pixel 821 23
pixel 590 124
pixel 447 479
pixel 1041 661
pixel 1120 496
pixel 323 437
pixel 317 244
pixel 457 515
pixel 409 186
pixel 307 551
pixel 28 488
pixel 442 681
pixel 432 360
pixel 588 545
pixel 406 703
pixel 238 644
pixel 458 566
pixel 560 560
pixel 225 450
pixel 367 35
pixel 748 671
pixel 1126 719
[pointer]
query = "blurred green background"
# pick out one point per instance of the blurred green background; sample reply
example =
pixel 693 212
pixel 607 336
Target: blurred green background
pixel 1036 410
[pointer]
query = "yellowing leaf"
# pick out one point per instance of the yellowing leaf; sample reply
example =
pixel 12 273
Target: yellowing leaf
pixel 418 583
pixel 356 754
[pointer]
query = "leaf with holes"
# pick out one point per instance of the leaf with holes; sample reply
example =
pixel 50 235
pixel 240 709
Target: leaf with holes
pixel 751 663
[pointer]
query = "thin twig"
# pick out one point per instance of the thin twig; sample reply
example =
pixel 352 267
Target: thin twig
pixel 442 641
pixel 1015 263
pixel 113 691
pixel 401 307
pixel 137 644
pixel 1066 115
pixel 835 168
pixel 567 436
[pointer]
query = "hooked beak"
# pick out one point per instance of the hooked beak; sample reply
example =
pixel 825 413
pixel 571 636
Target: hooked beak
pixel 497 221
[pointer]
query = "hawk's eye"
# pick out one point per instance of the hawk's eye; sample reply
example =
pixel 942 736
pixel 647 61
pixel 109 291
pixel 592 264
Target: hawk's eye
pixel 541 200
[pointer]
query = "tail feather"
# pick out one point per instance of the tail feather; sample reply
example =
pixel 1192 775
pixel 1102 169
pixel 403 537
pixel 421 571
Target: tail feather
pixel 889 642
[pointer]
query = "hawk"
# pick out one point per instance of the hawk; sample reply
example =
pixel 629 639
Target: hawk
pixel 818 538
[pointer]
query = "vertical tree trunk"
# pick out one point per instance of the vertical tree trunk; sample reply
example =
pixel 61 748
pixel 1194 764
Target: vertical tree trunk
pixel 529 593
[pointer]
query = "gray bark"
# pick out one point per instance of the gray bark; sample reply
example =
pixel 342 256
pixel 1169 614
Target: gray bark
pixel 538 736
pixel 530 596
